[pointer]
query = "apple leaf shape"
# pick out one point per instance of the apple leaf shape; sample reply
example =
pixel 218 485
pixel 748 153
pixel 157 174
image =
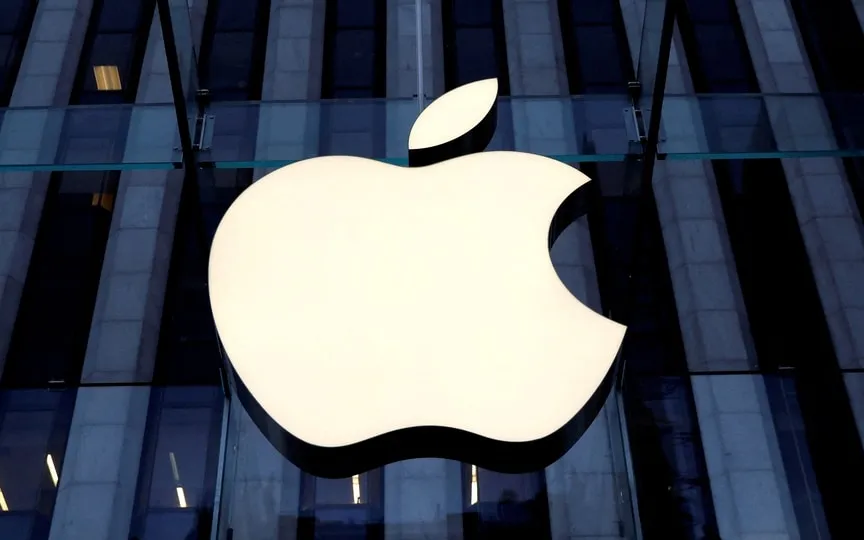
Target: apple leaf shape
pixel 458 123
pixel 373 313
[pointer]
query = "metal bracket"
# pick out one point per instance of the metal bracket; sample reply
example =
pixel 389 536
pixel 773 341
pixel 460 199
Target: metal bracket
pixel 203 127
pixel 634 123
pixel 204 132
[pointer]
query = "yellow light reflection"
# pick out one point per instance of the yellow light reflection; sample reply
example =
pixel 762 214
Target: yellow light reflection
pixel 3 505
pixel 107 78
pixel 473 484
pixel 51 469
pixel 355 487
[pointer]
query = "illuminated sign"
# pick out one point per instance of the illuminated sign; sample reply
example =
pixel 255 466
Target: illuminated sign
pixel 373 313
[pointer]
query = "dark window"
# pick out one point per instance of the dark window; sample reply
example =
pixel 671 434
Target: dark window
pixel 595 46
pixel 498 505
pixel 790 333
pixel 114 46
pixel 715 48
pixel 177 477
pixel 474 43
pixel 233 47
pixel 52 328
pixel 16 20
pixel 188 350
pixel 672 485
pixel 355 49
pixel 34 426
pixel 342 508
pixel 786 316
pixel 832 37
pixel 53 324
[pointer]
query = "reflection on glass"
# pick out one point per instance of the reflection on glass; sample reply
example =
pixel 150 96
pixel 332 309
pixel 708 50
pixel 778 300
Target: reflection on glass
pixel 355 56
pixel 16 21
pixel 790 333
pixel 33 424
pixel 113 51
pixel 474 44
pixel 474 484
pixel 672 486
pixel 595 46
pixel 497 504
pixel 188 351
pixel 233 44
pixel 342 507
pixel 51 469
pixel 51 331
pixel 178 466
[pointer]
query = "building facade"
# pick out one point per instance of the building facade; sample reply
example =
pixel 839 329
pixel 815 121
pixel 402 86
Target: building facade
pixel 738 266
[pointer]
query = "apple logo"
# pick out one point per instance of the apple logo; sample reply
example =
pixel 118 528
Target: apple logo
pixel 373 313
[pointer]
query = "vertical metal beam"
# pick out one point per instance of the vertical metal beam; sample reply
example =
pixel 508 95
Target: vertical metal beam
pixel 179 95
pixel 649 153
pixel 418 14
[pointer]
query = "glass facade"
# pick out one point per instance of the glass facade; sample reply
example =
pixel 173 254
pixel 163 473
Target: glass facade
pixel 730 243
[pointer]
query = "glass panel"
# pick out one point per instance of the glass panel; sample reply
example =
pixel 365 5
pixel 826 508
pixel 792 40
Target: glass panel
pixel 378 129
pixel 50 336
pixel 235 15
pixel 230 61
pixel 34 426
pixel 354 58
pixel 472 12
pixel 496 504
pixel 646 48
pixel 355 13
pixel 263 495
pixel 116 15
pixel 177 480
pixel 187 52
pixel 475 55
pixel 740 126
pixel 93 137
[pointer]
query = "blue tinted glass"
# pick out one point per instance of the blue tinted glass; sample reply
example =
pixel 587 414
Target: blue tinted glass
pixel 111 50
pixel 721 57
pixel 236 15
pixel 504 504
pixel 635 285
pixel 6 58
pixel 53 324
pixel 355 12
pixel 710 11
pixel 346 508
pixel 475 55
pixel 230 59
pixel 599 59
pixel 178 469
pixel 354 58
pixel 188 351
pixel 120 15
pixel 472 12
pixel 34 426
pixel 352 129
pixel 353 93
pixel 10 13
pixel 593 11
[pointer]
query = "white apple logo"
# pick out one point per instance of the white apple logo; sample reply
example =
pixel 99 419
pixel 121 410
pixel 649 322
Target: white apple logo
pixel 373 313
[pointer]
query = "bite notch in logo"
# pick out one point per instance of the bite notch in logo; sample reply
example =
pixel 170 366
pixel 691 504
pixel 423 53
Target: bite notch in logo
pixel 373 313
